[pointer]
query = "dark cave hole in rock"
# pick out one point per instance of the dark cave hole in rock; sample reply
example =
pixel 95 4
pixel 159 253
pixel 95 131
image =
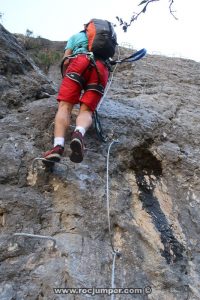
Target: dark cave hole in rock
pixel 145 163
pixel 148 173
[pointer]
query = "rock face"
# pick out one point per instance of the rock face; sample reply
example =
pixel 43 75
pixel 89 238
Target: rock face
pixel 20 80
pixel 152 108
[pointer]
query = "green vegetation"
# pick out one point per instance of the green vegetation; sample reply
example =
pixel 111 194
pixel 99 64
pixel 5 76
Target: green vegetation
pixel 44 52
pixel 45 58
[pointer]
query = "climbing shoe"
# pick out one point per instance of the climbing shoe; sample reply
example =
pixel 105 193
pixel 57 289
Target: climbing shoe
pixel 54 154
pixel 77 147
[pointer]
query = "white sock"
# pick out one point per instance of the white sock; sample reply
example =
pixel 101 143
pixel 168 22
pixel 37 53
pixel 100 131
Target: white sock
pixel 59 141
pixel 80 129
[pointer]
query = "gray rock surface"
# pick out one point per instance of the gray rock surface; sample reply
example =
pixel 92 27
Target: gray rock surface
pixel 20 80
pixel 152 107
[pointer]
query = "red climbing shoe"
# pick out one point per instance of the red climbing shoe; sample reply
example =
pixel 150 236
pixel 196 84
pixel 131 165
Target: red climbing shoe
pixel 54 154
pixel 77 147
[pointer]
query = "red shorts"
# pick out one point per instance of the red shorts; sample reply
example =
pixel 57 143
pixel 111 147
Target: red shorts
pixel 71 91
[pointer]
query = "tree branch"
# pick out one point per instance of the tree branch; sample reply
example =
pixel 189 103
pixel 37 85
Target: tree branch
pixel 170 9
pixel 135 16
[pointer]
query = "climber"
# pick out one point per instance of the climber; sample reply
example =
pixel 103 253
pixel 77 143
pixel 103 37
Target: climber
pixel 84 82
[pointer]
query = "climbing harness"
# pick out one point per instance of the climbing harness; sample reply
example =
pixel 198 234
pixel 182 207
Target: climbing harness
pixel 78 77
pixel 63 61
pixel 91 59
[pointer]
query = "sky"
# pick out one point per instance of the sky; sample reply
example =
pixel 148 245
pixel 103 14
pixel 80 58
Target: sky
pixel 156 30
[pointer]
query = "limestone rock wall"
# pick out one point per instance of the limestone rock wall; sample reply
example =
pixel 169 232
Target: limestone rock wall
pixel 152 108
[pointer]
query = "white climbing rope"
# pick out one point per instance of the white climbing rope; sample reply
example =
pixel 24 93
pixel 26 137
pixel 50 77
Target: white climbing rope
pixel 107 191
pixel 115 251
pixel 109 83
pixel 113 274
